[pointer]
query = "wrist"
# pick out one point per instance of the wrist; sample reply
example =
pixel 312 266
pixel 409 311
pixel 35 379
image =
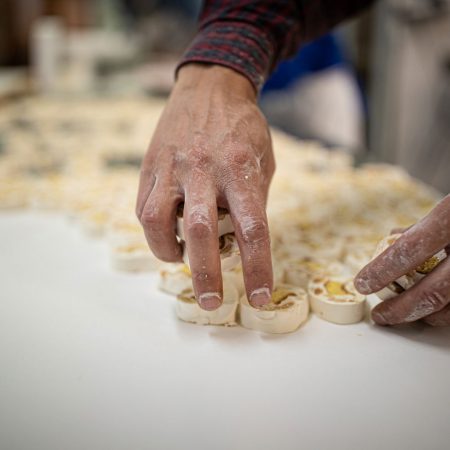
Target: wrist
pixel 204 76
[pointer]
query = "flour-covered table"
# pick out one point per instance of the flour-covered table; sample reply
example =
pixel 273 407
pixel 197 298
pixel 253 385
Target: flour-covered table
pixel 95 359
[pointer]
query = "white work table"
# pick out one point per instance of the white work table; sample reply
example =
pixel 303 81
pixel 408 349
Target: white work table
pixel 95 359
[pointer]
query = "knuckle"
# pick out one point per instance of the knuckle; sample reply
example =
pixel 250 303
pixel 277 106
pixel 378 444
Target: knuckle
pixel 199 229
pixel 254 231
pixel 151 220
pixel 200 159
pixel 242 163
pixel 240 158
pixel 434 299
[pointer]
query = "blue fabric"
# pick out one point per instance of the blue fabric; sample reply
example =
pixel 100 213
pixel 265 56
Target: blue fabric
pixel 318 55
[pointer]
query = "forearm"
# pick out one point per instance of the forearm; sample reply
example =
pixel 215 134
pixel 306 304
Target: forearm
pixel 211 77
pixel 252 37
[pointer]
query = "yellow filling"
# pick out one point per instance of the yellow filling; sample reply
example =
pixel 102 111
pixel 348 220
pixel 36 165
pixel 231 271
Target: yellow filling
pixel 186 296
pixel 281 294
pixel 185 269
pixel 335 288
pixel 313 266
pixel 428 265
pixel 286 305
pixel 278 296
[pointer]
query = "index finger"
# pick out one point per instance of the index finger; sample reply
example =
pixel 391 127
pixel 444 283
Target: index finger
pixel 428 296
pixel 411 249
pixel 247 209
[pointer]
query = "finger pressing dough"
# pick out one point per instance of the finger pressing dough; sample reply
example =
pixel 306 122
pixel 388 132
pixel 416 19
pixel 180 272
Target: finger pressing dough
pixel 288 310
pixel 188 309
pixel 408 280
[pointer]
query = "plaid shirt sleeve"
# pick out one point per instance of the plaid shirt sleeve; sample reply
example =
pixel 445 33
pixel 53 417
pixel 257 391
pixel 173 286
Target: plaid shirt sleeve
pixel 253 36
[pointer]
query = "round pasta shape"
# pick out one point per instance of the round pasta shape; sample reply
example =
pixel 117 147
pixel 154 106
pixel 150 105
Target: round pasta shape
pixel 336 300
pixel 188 310
pixel 287 311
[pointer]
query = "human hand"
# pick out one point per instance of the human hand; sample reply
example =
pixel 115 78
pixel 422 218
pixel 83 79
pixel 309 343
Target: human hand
pixel 429 299
pixel 211 148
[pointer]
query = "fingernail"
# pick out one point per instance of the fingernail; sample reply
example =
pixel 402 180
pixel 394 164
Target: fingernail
pixel 362 286
pixel 379 318
pixel 210 301
pixel 260 297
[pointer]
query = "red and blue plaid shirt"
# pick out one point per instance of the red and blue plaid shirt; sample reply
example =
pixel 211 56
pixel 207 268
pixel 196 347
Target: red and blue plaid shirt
pixel 252 36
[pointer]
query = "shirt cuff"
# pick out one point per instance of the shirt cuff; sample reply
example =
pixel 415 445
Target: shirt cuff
pixel 237 45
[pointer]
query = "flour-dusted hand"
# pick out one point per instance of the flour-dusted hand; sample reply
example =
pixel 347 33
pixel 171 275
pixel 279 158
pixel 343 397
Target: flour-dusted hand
pixel 212 148
pixel 429 299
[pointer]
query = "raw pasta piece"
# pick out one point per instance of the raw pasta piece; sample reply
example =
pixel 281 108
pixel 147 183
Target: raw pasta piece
pixel 336 300
pixel 287 311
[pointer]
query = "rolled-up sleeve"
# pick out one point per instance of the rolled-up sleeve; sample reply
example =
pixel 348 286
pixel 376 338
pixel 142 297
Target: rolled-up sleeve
pixel 252 37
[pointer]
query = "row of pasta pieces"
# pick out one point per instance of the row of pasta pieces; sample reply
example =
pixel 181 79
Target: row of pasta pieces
pixel 298 287
pixel 332 298
pixel 323 289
